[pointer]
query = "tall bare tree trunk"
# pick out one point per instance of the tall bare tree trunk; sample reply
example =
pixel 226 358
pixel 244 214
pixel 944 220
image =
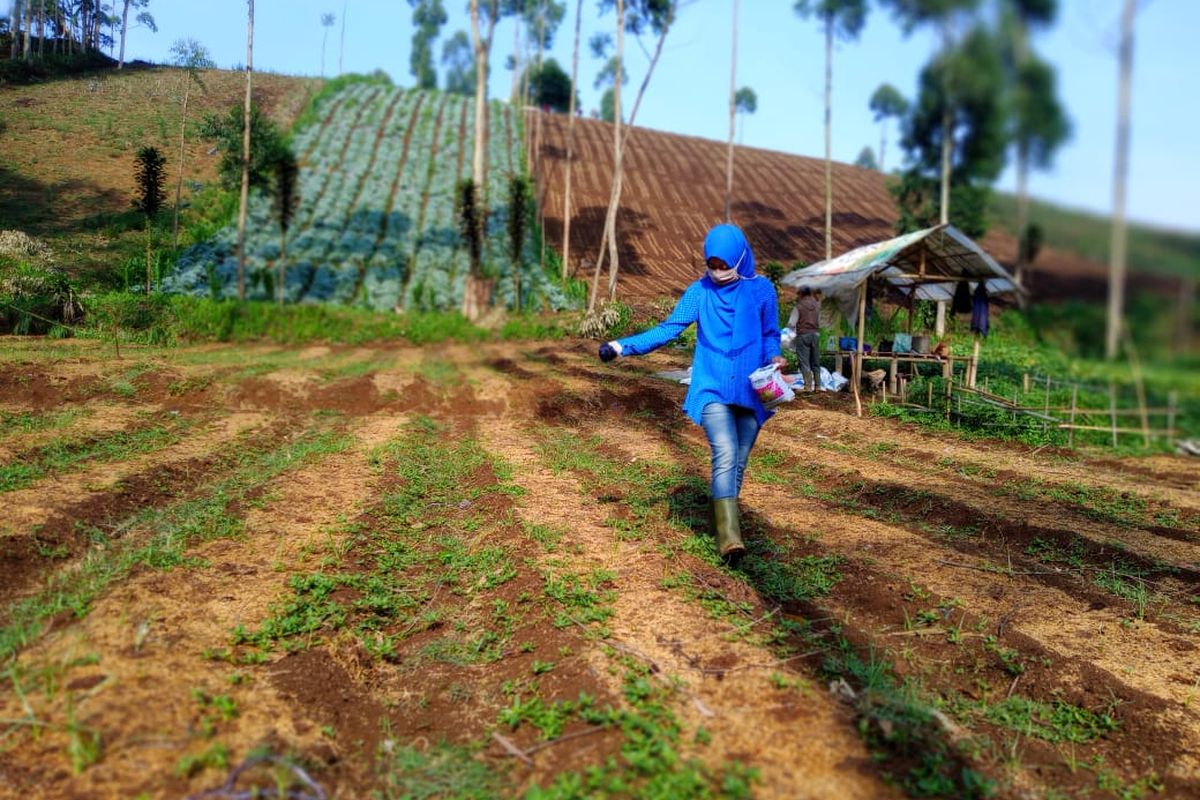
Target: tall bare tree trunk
pixel 615 196
pixel 476 289
pixel 27 50
pixel 179 181
pixel 342 37
pixel 41 20
pixel 14 28
pixel 245 196
pixel 732 116
pixel 1116 255
pixel 828 135
pixel 516 84
pixel 882 143
pixel 610 217
pixel 124 32
pixel 281 267
pixel 1022 211
pixel 566 248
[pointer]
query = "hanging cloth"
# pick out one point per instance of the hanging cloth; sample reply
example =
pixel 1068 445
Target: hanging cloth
pixel 979 310
pixel 962 299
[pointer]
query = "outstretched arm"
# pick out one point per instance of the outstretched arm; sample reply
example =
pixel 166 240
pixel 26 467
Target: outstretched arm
pixel 687 310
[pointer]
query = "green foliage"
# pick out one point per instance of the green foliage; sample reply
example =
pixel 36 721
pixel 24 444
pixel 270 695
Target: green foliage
pixel 51 66
pixel 408 773
pixel 519 210
pixel 284 196
pixel 150 177
pixel 35 299
pixel 550 87
pixel 470 222
pixel 845 18
pixel 311 115
pixel 1053 722
pixel 866 159
pixel 745 100
pixel 458 60
pixel 428 18
pixel 266 145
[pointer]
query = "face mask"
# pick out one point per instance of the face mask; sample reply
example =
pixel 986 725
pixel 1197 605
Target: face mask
pixel 723 276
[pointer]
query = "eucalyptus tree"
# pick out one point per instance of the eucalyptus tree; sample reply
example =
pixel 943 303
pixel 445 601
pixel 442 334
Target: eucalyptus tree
pixel 966 85
pixel 844 19
pixel 866 159
pixel 428 18
pixel 143 18
pixel 636 17
pixel 244 197
pixel 192 57
pixel 327 21
pixel 732 116
pixel 886 102
pixel 484 16
pixel 1039 123
pixel 745 102
pixel 566 246
pixel 458 62
pixel 1116 252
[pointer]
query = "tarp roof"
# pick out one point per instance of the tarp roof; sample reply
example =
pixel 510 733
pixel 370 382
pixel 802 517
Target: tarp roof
pixel 950 257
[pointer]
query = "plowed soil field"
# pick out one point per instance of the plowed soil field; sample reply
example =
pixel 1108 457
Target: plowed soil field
pixel 486 571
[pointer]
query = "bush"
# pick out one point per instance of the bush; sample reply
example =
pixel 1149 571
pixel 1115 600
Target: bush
pixel 36 299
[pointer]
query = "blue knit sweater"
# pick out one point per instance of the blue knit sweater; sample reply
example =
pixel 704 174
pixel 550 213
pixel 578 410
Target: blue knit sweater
pixel 718 376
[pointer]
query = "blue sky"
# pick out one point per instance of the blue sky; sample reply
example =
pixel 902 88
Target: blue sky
pixel 781 56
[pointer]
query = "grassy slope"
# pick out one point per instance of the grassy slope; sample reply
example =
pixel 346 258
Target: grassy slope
pixel 1151 250
pixel 67 173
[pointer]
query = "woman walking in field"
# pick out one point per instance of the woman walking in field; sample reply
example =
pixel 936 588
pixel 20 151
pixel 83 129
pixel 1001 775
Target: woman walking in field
pixel 737 331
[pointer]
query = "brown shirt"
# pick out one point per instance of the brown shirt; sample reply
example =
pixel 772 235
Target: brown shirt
pixel 806 316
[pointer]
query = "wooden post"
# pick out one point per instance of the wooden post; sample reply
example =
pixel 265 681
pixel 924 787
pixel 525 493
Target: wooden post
pixel 1047 409
pixel 1171 414
pixel 1112 408
pixel 949 396
pixel 1071 430
pixel 929 398
pixel 973 367
pixel 858 356
pixel 1025 382
pixel 1136 367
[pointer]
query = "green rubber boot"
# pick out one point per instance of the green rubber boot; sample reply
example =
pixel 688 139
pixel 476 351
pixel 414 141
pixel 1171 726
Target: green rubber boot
pixel 729 531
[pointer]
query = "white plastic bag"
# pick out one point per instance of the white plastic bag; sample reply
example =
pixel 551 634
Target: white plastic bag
pixel 770 386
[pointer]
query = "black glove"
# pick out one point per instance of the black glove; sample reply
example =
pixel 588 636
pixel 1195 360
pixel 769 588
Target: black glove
pixel 607 352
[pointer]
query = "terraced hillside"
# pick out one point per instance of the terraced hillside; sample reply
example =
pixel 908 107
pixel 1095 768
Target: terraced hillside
pixel 485 571
pixel 376 225
pixel 674 190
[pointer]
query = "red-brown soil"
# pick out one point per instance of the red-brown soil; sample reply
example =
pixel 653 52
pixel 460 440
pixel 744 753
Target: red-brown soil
pixel 674 191
pixel 943 578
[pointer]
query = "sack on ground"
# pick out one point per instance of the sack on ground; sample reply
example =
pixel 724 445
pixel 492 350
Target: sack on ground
pixel 770 386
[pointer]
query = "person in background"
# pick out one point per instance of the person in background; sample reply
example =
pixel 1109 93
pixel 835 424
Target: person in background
pixel 805 320
pixel 737 331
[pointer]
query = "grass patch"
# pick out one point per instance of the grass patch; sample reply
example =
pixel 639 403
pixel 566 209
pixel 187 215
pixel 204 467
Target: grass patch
pixel 1054 722
pixel 169 532
pixel 72 453
pixel 423 556
pixel 20 422
pixel 406 773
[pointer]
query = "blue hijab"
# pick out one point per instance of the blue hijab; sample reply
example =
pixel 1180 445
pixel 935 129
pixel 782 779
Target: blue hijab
pixel 729 315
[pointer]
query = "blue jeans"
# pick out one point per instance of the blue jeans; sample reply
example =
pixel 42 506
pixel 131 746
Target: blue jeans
pixel 731 431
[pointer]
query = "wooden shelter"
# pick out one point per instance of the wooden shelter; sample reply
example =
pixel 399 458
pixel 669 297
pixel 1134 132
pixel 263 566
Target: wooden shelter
pixel 922 265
